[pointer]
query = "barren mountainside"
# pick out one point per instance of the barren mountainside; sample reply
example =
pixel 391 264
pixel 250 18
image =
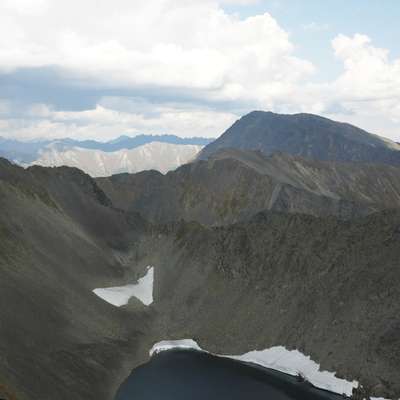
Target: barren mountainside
pixel 233 185
pixel 327 287
pixel 249 250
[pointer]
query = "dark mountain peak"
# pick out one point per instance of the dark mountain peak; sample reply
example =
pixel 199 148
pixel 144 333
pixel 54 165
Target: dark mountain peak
pixel 305 135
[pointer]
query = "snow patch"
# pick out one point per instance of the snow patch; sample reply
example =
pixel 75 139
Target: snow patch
pixel 165 345
pixel 291 362
pixel 119 295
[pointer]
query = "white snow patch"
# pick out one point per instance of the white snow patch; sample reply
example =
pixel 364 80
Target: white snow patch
pixel 186 344
pixel 119 295
pixel 291 362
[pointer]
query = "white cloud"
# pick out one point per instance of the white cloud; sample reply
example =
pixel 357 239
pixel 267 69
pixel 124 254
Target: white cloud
pixel 26 7
pixel 183 45
pixel 106 123
pixel 369 87
pixel 167 43
pixel 192 50
pixel 369 74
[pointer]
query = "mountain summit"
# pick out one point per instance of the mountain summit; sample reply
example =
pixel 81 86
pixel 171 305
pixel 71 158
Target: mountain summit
pixel 305 135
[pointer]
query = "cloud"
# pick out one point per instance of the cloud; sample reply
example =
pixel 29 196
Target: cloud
pixel 369 87
pixel 78 52
pixel 99 68
pixel 368 72
pixel 161 43
pixel 26 7
pixel 107 123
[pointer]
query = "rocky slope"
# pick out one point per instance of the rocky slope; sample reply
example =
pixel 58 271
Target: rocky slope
pixel 325 286
pixel 59 238
pixel 234 185
pixel 305 135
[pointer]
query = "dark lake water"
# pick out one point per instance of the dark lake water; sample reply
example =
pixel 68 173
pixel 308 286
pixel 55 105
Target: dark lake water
pixel 191 375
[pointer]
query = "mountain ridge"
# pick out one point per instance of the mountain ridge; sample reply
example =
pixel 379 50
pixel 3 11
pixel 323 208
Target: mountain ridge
pixel 26 152
pixel 235 184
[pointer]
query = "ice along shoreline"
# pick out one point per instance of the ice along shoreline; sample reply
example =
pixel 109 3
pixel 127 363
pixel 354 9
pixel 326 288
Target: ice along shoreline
pixel 291 362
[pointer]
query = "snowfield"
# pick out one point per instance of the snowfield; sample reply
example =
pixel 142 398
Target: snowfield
pixel 291 362
pixel 119 295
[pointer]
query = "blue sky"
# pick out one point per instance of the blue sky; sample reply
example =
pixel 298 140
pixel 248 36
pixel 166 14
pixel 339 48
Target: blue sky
pixel 99 69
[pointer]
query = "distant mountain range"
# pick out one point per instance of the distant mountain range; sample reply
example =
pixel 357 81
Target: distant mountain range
pixel 28 151
pixel 128 142
pixel 159 156
pixel 124 154
pixel 305 135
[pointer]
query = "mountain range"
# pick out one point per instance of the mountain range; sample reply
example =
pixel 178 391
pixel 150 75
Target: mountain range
pixel 26 152
pixel 251 248
pixel 124 154
pixel 304 135
pixel 158 156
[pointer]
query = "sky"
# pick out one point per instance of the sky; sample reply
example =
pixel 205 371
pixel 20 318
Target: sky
pixel 100 69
